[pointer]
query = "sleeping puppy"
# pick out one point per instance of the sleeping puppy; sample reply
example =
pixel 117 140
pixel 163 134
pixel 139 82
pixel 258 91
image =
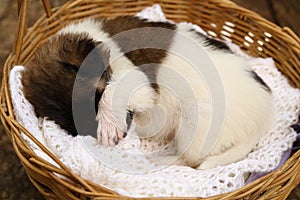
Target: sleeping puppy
pixel 109 76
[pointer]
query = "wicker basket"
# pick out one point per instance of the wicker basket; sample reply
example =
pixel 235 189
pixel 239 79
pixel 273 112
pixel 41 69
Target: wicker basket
pixel 219 18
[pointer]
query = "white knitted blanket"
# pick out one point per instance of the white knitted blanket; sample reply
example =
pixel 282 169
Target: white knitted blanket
pixel 124 169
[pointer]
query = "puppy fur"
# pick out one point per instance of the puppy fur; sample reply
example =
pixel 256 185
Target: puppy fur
pixel 143 78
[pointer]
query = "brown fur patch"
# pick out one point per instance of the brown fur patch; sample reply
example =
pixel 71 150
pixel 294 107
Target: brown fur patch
pixel 131 41
pixel 49 76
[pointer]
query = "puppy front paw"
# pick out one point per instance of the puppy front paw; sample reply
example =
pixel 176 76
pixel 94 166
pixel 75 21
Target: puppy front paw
pixel 111 123
pixel 108 132
pixel 206 165
pixel 211 162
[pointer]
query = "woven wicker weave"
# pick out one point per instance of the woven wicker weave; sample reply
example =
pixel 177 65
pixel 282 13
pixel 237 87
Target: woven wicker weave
pixel 217 17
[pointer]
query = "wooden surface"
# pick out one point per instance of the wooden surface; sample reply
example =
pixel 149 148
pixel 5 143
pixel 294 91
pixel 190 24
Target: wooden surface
pixel 14 183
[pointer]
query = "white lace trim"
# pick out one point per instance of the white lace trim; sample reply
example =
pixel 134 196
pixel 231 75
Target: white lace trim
pixel 135 179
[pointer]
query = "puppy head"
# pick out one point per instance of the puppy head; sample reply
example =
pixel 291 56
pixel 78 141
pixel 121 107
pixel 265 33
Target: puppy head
pixel 65 73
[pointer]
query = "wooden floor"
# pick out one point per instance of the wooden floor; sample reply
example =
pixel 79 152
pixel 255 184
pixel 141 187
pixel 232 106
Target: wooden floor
pixel 14 183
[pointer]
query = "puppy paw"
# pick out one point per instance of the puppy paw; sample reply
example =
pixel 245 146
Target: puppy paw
pixel 210 162
pixel 206 165
pixel 108 132
pixel 111 123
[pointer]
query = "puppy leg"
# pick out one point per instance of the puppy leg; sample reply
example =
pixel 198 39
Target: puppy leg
pixel 110 121
pixel 234 154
